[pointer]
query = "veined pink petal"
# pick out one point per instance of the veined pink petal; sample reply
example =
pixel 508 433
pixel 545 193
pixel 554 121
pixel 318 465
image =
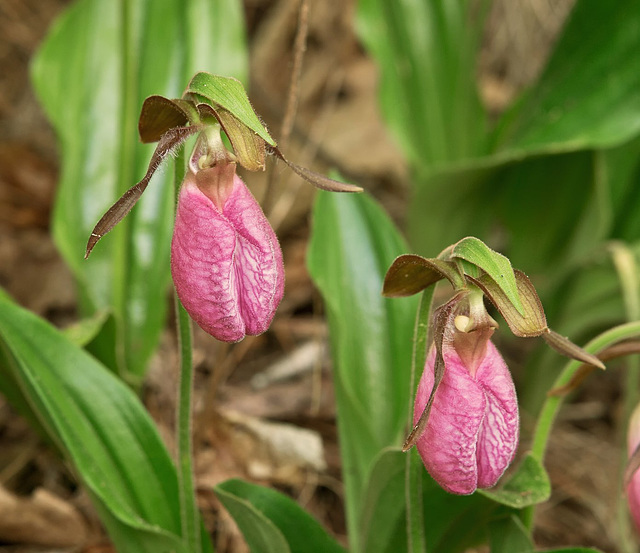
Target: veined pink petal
pixel 500 429
pixel 448 445
pixel 226 263
pixel 472 432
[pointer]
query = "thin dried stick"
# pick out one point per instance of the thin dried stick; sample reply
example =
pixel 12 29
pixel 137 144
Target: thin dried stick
pixel 300 46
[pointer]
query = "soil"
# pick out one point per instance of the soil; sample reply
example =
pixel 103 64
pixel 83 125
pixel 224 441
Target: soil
pixel 281 379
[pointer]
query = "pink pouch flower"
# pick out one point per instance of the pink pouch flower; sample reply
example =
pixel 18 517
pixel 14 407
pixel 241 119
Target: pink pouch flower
pixel 226 261
pixel 472 432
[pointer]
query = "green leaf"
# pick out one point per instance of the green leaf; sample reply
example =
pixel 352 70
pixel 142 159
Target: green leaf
pixel 496 265
pixel 528 486
pixel 92 74
pixel 508 535
pixel 427 55
pixel 229 94
pixel 491 194
pixel 262 535
pixel 564 110
pixel 573 550
pixel 352 244
pixel 618 175
pixel 100 425
pixel 382 519
pixel 250 503
pixel 383 523
pixel 83 332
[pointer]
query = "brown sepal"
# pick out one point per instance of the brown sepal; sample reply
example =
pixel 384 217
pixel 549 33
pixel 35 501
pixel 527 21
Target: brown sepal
pixel 410 274
pixel 568 348
pixel 248 147
pixel 318 180
pixel 443 323
pixel 159 114
pixel 169 141
pixel 533 322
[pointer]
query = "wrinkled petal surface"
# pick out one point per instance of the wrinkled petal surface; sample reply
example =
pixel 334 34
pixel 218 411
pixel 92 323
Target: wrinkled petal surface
pixel 472 432
pixel 500 429
pixel 226 263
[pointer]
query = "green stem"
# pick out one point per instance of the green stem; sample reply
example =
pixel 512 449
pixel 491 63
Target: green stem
pixel 627 270
pixel 552 404
pixel 190 519
pixel 416 542
pixel 188 508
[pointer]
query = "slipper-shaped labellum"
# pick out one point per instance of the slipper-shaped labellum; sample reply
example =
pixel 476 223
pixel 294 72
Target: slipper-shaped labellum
pixel 472 432
pixel 226 261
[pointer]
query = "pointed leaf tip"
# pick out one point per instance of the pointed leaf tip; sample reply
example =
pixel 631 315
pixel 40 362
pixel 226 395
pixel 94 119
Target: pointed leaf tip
pixel 566 347
pixel 318 180
pixel 118 211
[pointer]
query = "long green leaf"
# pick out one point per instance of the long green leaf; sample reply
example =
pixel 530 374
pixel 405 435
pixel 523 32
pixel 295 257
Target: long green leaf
pixel 353 243
pixel 383 520
pixel 545 204
pixel 100 425
pixel 261 534
pixel 564 111
pixel 301 531
pixel 552 210
pixel 426 51
pixel 99 62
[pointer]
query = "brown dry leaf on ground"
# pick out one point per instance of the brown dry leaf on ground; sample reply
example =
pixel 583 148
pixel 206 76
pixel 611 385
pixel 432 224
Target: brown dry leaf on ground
pixel 41 519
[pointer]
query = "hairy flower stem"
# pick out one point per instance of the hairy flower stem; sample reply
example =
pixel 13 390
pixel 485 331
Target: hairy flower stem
pixel 190 520
pixel 414 468
pixel 188 507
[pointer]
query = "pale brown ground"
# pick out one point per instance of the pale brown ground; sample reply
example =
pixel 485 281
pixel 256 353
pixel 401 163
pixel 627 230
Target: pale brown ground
pixel 338 87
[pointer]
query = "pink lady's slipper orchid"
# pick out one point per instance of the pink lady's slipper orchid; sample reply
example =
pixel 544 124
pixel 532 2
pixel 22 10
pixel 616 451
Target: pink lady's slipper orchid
pixel 471 434
pixel 633 479
pixel 226 261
